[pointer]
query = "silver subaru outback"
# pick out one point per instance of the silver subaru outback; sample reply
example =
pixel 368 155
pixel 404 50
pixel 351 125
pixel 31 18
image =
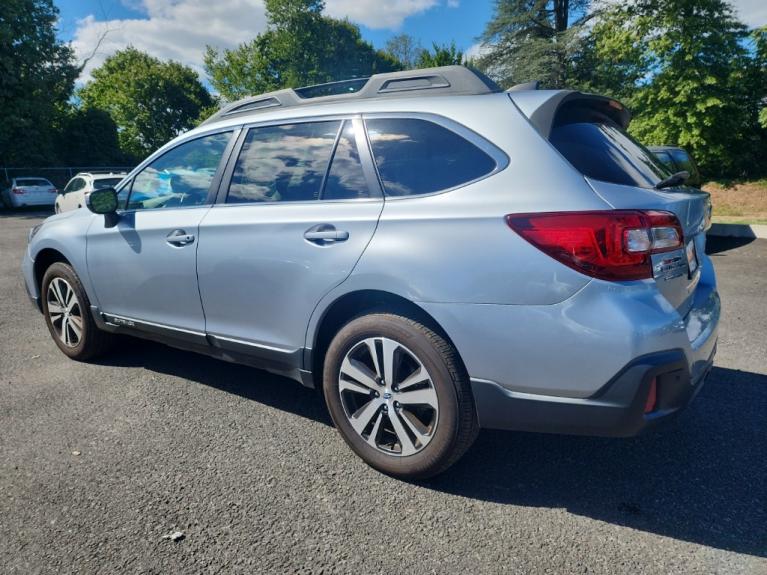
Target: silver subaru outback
pixel 434 254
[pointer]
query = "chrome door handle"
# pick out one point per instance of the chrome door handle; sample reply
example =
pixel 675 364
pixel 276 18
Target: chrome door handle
pixel 325 233
pixel 179 238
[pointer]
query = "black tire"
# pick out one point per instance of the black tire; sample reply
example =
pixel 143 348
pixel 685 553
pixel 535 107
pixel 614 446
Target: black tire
pixel 92 341
pixel 456 427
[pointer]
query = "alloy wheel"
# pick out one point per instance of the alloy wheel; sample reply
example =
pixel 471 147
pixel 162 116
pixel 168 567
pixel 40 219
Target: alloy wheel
pixel 388 396
pixel 65 312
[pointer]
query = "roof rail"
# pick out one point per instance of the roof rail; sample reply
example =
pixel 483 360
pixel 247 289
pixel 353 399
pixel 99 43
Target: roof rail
pixel 445 80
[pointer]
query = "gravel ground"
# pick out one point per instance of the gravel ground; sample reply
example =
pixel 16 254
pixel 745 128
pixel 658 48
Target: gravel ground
pixel 99 462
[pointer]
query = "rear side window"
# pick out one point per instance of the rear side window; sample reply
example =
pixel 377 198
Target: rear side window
pixel 32 182
pixel 416 157
pixel 283 163
pixel 682 160
pixel 346 180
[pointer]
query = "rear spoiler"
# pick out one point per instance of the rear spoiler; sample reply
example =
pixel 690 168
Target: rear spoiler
pixel 543 111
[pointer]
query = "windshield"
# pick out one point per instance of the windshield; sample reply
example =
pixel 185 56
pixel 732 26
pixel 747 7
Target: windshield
pixel 603 151
pixel 106 183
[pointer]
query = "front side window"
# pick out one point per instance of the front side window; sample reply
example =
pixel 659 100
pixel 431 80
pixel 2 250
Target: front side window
pixel 417 156
pixel 180 177
pixel 284 163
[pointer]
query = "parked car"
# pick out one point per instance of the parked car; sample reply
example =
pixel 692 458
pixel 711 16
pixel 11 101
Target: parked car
pixel 29 191
pixel 433 253
pixel 678 160
pixel 73 196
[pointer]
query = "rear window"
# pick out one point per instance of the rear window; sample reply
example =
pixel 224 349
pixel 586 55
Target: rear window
pixel 106 183
pixel 32 182
pixel 599 149
pixel 416 157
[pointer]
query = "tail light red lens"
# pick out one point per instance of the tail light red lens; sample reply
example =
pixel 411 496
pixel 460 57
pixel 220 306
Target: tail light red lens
pixel 53 191
pixel 18 191
pixel 614 245
pixel 652 397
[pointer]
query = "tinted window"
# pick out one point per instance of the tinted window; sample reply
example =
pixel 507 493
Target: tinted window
pixel 665 159
pixel 74 185
pixel 32 182
pixel 603 151
pixel 420 157
pixel 345 180
pixel 682 160
pixel 283 163
pixel 180 177
pixel 106 183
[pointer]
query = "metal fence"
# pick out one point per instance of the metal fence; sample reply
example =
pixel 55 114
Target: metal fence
pixel 58 176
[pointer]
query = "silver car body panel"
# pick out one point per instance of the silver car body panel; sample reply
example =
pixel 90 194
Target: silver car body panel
pixel 518 318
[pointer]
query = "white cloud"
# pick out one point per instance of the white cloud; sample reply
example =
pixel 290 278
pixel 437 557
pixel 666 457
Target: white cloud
pixel 475 51
pixel 172 30
pixel 180 29
pixel 377 13
pixel 753 13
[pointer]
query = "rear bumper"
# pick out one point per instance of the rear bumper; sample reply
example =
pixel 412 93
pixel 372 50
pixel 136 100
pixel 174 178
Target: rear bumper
pixel 617 410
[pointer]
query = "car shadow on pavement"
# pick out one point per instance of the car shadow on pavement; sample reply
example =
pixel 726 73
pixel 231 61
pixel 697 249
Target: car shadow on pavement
pixel 718 244
pixel 255 384
pixel 700 478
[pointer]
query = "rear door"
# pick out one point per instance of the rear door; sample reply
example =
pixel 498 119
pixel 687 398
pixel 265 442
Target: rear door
pixel 298 207
pixel 624 173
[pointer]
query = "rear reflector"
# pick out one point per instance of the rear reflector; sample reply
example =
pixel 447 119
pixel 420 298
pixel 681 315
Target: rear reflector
pixel 652 396
pixel 614 245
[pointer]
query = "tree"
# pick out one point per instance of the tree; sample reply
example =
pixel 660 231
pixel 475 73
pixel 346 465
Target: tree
pixel 37 75
pixel 88 137
pixel 404 49
pixel 446 55
pixel 534 40
pixel 300 47
pixel 150 101
pixel 688 78
pixel 759 37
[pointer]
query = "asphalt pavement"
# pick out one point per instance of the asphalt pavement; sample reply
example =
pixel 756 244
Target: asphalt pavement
pixel 100 463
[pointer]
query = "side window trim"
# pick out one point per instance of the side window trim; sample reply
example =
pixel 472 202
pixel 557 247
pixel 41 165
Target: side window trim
pixel 363 149
pixel 330 160
pixel 131 177
pixel 500 157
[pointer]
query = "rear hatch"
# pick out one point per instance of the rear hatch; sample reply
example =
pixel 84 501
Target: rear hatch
pixel 589 132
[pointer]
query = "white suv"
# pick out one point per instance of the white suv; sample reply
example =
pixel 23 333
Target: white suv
pixel 74 194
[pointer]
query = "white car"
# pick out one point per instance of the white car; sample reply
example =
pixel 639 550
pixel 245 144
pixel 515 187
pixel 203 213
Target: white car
pixel 29 192
pixel 74 194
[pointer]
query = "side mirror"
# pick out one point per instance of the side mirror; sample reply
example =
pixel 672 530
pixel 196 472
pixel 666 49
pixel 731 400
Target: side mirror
pixel 103 201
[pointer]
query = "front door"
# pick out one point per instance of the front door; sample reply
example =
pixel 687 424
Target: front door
pixel 292 227
pixel 144 268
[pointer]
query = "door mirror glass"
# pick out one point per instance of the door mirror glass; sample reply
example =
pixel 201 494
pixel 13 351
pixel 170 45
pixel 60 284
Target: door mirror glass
pixel 103 201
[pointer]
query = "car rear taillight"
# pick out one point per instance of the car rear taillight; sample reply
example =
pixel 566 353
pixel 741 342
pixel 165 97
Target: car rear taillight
pixel 53 191
pixel 19 191
pixel 652 397
pixel 613 245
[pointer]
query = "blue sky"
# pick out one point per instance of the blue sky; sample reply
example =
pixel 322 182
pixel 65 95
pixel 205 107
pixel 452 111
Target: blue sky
pixel 180 29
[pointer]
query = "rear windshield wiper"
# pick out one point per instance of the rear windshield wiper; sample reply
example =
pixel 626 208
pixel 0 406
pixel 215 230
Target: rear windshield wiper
pixel 673 180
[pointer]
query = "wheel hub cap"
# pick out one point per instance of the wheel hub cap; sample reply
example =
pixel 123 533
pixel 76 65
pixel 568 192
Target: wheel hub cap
pixel 388 396
pixel 64 312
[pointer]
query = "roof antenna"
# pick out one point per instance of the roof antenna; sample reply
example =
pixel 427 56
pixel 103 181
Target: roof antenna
pixel 526 86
